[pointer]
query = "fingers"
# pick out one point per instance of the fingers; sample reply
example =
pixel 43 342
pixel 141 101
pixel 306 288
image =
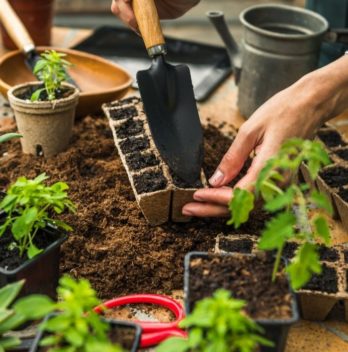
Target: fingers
pixel 205 210
pixel 219 196
pixel 123 10
pixel 234 159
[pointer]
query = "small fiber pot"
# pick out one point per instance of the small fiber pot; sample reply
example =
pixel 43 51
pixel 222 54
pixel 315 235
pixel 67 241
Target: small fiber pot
pixel 46 126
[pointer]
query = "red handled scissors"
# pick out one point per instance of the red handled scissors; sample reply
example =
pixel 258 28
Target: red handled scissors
pixel 153 333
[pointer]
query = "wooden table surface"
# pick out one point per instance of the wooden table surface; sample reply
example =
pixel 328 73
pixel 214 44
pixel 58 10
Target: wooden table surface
pixel 328 336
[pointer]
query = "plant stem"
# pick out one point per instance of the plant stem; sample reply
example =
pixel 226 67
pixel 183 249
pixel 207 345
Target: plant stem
pixel 277 262
pixel 273 187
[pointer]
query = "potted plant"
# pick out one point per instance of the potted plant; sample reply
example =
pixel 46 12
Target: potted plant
pixel 14 315
pixel 30 238
pixel 77 328
pixel 261 280
pixel 218 323
pixel 45 111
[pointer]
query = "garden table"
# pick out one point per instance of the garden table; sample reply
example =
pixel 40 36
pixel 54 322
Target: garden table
pixel 220 108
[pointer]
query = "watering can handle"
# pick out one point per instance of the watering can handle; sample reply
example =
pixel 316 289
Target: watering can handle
pixel 149 26
pixel 337 35
pixel 15 27
pixel 217 18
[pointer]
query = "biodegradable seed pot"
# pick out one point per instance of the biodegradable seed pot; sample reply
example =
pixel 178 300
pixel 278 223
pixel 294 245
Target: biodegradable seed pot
pixel 46 126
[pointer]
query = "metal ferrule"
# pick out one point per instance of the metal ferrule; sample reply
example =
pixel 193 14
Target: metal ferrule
pixel 157 50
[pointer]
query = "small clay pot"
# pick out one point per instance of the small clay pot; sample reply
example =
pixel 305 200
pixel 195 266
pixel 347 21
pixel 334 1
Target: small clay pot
pixel 46 126
pixel 37 17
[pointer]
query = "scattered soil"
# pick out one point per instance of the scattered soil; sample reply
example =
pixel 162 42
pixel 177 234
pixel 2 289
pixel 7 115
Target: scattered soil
pixel 134 144
pixel 60 93
pixel 125 113
pixel 343 153
pixel 343 193
pixel 130 128
pixel 328 254
pixel 130 100
pixel 239 246
pixel 248 278
pixel 327 281
pixel 335 176
pixel 10 259
pixel 138 161
pixel 150 182
pixel 112 244
pixel 331 138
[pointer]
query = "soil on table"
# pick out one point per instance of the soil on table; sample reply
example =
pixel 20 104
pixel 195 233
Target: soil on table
pixel 59 93
pixel 335 176
pixel 331 138
pixel 112 244
pixel 327 281
pixel 248 278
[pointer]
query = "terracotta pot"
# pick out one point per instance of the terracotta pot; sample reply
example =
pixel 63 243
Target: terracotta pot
pixel 46 126
pixel 37 17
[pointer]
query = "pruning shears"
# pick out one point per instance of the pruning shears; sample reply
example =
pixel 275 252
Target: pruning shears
pixel 153 333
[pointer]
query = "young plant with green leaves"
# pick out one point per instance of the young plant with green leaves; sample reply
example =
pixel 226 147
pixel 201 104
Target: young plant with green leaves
pixel 8 136
pixel 51 69
pixel 291 205
pixel 218 324
pixel 29 205
pixel 14 315
pixel 77 328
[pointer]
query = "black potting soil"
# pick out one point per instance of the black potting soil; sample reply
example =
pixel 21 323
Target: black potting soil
pixel 345 253
pixel 327 281
pixel 59 93
pixel 343 153
pixel 123 336
pixel 134 144
pixel 237 245
pixel 150 182
pixel 343 193
pixel 130 128
pixel 289 250
pixel 178 182
pixel 331 138
pixel 335 176
pixel 125 113
pixel 138 161
pixel 248 278
pixel 130 100
pixel 328 254
pixel 10 259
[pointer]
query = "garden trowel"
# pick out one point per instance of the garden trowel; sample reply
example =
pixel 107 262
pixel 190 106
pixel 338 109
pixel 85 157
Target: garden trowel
pixel 169 101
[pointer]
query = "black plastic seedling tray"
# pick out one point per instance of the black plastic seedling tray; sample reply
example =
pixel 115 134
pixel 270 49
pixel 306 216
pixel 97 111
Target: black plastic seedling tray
pixel 209 64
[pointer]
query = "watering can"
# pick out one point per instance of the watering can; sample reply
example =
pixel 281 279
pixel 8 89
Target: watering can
pixel 280 45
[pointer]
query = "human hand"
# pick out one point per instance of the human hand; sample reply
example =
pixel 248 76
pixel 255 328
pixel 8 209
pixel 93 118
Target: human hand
pixel 167 9
pixel 294 112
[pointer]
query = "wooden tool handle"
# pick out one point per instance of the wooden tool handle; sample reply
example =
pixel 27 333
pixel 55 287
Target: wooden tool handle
pixel 149 24
pixel 15 27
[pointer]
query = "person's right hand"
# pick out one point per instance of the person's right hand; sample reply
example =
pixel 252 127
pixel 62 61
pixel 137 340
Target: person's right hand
pixel 167 9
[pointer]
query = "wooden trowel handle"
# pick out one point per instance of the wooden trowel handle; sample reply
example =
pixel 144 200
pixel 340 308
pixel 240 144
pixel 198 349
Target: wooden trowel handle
pixel 149 26
pixel 15 27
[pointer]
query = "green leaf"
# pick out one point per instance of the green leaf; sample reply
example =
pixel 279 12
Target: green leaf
pixel 36 95
pixel 8 342
pixel 281 201
pixel 9 292
pixel 305 263
pixel 57 323
pixel 321 201
pixel 321 228
pixel 174 344
pixel 5 314
pixel 34 307
pixel 241 204
pixel 278 230
pixel 33 251
pixel 8 136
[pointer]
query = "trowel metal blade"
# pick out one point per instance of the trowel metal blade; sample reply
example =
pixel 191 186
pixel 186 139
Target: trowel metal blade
pixel 171 109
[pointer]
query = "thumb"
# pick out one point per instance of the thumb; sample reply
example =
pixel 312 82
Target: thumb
pixel 234 159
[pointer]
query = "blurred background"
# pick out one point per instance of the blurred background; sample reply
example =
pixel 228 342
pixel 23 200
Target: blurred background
pixel 95 13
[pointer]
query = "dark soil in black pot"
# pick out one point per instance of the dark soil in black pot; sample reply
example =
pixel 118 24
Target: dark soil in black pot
pixel 328 254
pixel 60 93
pixel 236 245
pixel 327 281
pixel 335 176
pixel 331 138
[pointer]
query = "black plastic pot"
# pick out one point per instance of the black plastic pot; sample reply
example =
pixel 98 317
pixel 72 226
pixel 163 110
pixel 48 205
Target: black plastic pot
pixel 276 330
pixel 41 273
pixel 115 324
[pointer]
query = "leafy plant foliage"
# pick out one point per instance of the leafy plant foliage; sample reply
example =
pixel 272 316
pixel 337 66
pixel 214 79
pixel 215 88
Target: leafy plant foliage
pixel 51 69
pixel 28 205
pixel 218 324
pixel 77 328
pixel 11 317
pixel 291 206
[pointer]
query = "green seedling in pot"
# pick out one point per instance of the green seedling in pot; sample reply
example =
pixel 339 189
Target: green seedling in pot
pixel 29 205
pixel 51 69
pixel 291 208
pixel 218 323
pixel 8 136
pixel 12 315
pixel 77 328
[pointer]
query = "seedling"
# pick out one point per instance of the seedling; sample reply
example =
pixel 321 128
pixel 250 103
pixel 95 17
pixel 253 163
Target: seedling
pixel 28 205
pixel 218 323
pixel 51 69
pixel 25 309
pixel 291 206
pixel 77 328
pixel 8 136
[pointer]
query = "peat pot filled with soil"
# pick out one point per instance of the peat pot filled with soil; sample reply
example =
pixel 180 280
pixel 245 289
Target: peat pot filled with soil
pixel 247 277
pixel 126 335
pixel 46 126
pixel 40 273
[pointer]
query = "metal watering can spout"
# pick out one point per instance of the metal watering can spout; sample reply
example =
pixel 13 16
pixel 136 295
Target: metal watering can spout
pixel 217 18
